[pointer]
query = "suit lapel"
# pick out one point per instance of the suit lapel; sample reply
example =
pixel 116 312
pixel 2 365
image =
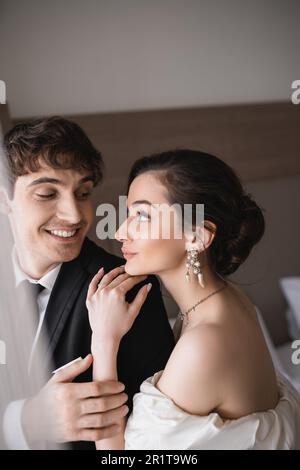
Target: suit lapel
pixel 65 291
pixel 67 287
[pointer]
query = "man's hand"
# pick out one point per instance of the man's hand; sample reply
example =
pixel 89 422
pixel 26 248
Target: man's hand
pixel 64 411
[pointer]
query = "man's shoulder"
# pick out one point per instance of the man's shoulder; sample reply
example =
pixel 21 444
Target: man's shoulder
pixel 93 257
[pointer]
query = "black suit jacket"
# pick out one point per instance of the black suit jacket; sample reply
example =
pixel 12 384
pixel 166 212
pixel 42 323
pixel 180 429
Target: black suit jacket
pixel 143 351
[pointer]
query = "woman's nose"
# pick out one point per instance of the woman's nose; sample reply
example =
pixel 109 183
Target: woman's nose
pixel 122 232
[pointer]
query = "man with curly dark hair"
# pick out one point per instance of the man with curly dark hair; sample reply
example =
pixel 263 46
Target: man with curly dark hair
pixel 53 168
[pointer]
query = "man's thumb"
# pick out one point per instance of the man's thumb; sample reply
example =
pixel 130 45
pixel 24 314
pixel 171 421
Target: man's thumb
pixel 70 372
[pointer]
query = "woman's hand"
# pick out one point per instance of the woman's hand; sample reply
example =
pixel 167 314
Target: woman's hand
pixel 110 316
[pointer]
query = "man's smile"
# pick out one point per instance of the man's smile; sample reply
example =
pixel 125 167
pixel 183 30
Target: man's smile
pixel 64 235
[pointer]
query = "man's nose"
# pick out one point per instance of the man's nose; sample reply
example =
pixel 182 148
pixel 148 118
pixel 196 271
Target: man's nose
pixel 69 210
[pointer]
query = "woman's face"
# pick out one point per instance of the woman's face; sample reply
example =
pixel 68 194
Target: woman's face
pixel 151 235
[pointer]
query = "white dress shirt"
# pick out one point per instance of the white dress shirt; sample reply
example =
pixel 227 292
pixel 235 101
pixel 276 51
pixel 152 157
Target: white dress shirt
pixel 12 427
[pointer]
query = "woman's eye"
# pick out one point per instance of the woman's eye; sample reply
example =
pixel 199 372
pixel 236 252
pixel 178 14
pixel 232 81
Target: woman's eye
pixel 143 216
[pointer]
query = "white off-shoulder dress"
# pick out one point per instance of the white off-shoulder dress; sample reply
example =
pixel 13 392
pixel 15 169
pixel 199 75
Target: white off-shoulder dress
pixel 157 423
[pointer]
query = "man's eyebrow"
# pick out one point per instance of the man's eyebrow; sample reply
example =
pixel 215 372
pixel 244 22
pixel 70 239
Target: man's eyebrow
pixel 46 179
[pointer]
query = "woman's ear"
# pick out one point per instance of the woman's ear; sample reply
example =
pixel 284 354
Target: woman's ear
pixel 208 233
pixel 201 237
pixel 4 201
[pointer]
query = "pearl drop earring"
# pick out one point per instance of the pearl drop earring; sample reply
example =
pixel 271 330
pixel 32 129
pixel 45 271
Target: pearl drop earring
pixel 193 263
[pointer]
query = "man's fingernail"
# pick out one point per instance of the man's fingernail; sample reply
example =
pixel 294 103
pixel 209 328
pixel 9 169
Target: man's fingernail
pixel 149 286
pixel 101 269
pixel 68 364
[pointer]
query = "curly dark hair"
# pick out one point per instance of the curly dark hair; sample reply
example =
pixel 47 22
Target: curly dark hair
pixel 55 141
pixel 194 177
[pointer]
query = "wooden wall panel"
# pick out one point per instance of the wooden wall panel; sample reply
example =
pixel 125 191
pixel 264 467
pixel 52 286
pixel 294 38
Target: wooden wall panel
pixel 5 122
pixel 260 141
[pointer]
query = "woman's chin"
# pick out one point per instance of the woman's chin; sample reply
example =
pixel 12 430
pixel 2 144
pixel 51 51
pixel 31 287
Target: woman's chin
pixel 134 271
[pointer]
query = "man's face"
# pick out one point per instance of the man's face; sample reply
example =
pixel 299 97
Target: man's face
pixel 50 214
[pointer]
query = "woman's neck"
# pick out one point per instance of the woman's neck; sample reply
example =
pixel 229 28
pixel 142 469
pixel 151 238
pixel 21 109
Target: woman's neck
pixel 186 294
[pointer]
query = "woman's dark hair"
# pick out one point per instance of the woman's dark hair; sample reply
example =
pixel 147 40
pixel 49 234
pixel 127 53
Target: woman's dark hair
pixel 56 141
pixel 194 177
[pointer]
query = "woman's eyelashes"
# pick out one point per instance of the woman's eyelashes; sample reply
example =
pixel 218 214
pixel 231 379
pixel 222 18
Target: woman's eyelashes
pixel 140 215
pixel 143 216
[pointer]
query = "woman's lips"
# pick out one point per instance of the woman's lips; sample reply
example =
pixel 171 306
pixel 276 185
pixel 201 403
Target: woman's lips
pixel 128 255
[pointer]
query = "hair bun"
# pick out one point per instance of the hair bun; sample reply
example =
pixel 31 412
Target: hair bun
pixel 247 203
pixel 246 234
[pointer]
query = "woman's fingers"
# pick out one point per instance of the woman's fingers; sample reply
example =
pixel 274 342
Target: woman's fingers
pixel 105 280
pixel 118 280
pixel 109 277
pixel 94 283
pixel 139 299
pixel 129 283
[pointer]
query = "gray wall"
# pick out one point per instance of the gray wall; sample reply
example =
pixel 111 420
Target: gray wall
pixel 76 56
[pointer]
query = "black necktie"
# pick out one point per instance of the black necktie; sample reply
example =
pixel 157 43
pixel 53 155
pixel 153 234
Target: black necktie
pixel 40 288
pixel 32 291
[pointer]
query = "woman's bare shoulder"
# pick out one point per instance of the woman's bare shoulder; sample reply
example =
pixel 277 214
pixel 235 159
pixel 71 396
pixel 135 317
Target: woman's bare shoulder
pixel 193 375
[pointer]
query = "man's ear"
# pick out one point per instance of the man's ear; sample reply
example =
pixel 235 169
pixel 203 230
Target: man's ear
pixel 4 201
pixel 201 237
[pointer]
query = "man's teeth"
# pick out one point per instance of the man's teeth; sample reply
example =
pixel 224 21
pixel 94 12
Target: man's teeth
pixel 63 233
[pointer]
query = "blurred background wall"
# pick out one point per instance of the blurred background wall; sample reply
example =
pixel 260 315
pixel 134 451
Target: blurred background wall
pixel 75 56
